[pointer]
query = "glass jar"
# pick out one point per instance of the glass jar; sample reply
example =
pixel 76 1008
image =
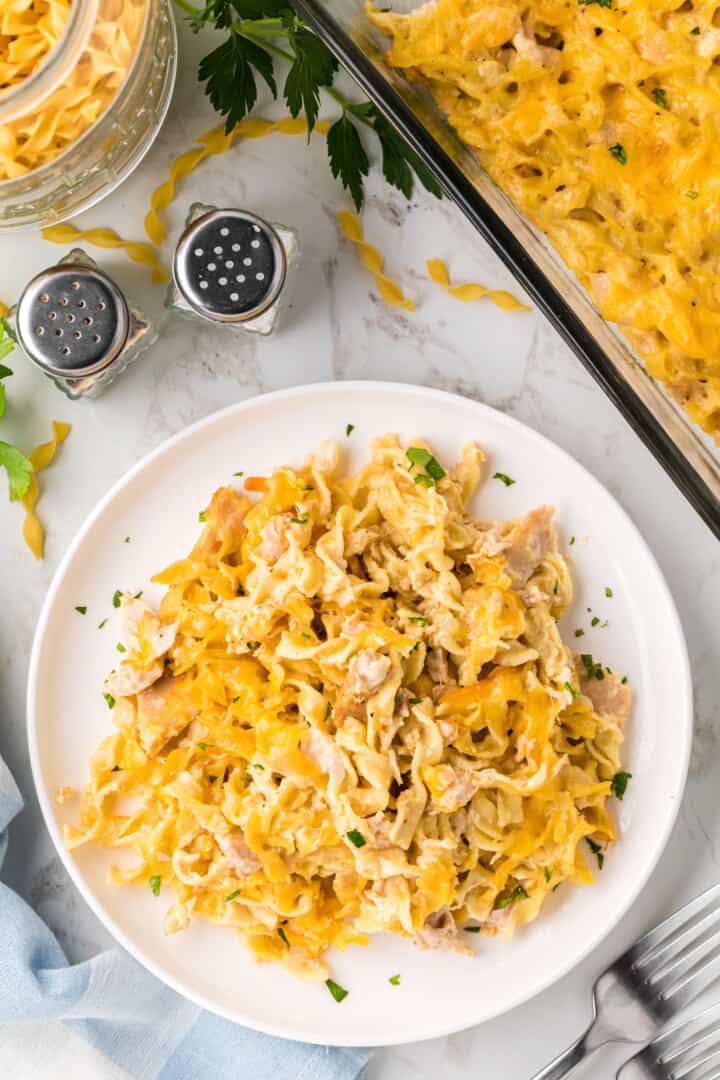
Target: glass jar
pixel 83 119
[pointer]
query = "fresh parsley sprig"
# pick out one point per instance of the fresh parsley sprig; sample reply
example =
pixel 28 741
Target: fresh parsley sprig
pixel 259 32
pixel 19 468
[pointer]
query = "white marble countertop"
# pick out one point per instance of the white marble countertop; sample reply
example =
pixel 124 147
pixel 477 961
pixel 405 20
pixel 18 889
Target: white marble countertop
pixel 340 330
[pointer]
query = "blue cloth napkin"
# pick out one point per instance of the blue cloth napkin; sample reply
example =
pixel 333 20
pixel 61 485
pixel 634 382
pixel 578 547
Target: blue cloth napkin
pixel 127 1015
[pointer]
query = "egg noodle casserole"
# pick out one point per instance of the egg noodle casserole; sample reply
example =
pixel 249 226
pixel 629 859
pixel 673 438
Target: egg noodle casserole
pixel 354 712
pixel 600 120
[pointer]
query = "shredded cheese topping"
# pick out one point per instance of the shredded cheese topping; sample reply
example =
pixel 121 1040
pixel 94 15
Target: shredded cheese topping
pixel 600 121
pixel 354 712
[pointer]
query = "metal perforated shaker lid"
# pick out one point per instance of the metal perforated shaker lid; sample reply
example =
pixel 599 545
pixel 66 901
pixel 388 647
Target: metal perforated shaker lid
pixel 229 265
pixel 72 321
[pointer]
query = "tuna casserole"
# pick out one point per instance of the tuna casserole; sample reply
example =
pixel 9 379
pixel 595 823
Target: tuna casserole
pixel 354 712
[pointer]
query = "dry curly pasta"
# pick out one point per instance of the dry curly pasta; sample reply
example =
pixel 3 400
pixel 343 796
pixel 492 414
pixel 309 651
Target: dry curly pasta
pixel 64 115
pixel 137 250
pixel 371 259
pixel 28 31
pixel 471 290
pixel 215 141
pixel 41 456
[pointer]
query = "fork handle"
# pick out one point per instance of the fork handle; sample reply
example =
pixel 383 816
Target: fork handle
pixel 564 1063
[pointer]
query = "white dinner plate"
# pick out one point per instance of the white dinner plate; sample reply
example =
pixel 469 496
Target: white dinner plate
pixel 157 506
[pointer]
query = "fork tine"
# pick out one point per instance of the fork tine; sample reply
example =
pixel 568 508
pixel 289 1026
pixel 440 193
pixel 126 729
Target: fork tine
pixel 677 1039
pixel 701 1069
pixel 679 989
pixel 682 921
pixel 685 955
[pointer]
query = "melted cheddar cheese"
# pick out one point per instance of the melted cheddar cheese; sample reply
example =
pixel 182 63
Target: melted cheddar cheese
pixel 354 712
pixel 601 121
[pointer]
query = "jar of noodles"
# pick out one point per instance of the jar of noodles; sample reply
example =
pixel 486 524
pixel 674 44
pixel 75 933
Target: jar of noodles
pixel 84 87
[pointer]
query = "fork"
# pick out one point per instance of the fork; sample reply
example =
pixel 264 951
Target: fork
pixel 690 1050
pixel 650 983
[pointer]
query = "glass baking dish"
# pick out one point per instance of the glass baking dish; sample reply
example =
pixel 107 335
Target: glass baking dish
pixel 690 458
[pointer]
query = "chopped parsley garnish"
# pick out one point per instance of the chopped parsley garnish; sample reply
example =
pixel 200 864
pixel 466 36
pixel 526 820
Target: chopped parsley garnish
pixel 506 480
pixel 102 624
pixel 82 609
pixel 608 591
pixel 600 3
pixel 548 874
pixel 695 30
pixel 472 929
pixel 237 698
pixel 394 980
pixel 579 633
pixel 337 991
pixel 232 896
pixel 109 700
pixel 308 636
pixel 418 455
pixel 418 619
pixel 569 687
pixel 619 784
pixel 623 680
pixel 126 540
pixel 423 478
pixel 349 428
pixel 301 518
pixel 202 516
pixel 138 594
pixel 115 768
pixel 155 882
pixel 592 670
pixel 239 473
pixel 555 586
pixel 306 487
pixel 414 701
pixel 328 712
pixel 283 936
pixel 212 777
pixel 691 194
pixel 619 152
pixel 356 837
pixel 120 647
pixel 518 893
pixel 597 851
pixel 571 541
pixel 660 97
pixel 253 646
pixel 594 621
pixel 257 765
pixel 117 598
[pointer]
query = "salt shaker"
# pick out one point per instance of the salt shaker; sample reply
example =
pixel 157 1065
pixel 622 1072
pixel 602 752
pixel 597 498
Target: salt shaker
pixel 231 266
pixel 75 324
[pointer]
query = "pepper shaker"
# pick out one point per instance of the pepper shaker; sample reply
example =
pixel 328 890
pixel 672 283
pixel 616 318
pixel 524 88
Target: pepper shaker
pixel 75 324
pixel 233 267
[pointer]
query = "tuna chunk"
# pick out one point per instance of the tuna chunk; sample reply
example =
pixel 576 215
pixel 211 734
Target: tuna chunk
pixel 324 752
pixel 142 630
pixel 163 712
pixel 531 540
pixel 225 528
pixel 128 679
pixel 274 541
pixel 440 932
pixel 239 855
pixel 608 695
pixel 367 672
